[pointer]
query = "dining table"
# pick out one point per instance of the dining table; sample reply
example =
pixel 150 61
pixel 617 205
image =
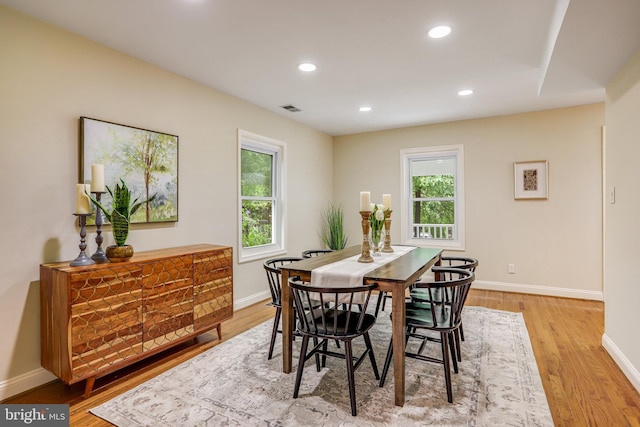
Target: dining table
pixel 394 276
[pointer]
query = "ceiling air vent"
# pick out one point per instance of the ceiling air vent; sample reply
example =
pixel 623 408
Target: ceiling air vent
pixel 290 108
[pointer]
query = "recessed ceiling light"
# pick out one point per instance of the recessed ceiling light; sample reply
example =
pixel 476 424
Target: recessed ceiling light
pixel 439 31
pixel 307 66
pixel 465 92
pixel 364 109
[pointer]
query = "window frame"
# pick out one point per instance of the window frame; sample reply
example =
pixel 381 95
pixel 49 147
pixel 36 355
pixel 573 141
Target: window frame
pixel 406 211
pixel 262 144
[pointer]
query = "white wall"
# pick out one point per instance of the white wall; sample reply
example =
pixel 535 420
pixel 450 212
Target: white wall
pixel 48 79
pixel 622 220
pixel 555 243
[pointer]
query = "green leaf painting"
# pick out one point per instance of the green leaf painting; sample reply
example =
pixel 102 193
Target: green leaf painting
pixel 146 160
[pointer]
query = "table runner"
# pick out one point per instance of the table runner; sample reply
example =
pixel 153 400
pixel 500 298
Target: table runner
pixel 349 272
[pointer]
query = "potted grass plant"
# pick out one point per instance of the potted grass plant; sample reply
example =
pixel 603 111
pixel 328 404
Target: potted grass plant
pixel 122 208
pixel 333 234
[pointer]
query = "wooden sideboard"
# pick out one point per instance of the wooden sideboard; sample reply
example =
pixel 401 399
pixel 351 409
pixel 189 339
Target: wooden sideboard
pixel 97 319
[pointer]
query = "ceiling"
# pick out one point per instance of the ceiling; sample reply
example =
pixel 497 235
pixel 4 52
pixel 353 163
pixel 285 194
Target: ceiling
pixel 517 55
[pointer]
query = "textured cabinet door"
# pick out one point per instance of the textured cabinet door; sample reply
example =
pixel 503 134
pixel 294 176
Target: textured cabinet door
pixel 167 302
pixel 213 288
pixel 97 319
pixel 106 318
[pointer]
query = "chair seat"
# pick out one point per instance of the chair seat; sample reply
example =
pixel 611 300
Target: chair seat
pixel 346 324
pixel 420 315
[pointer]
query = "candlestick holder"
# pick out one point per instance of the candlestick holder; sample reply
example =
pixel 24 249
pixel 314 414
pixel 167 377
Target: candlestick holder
pixel 99 256
pixel 366 247
pixel 387 231
pixel 82 258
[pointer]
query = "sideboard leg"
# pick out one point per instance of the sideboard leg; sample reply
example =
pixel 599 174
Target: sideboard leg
pixel 219 329
pixel 89 386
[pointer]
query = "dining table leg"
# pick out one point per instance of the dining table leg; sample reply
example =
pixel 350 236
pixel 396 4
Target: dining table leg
pixel 398 331
pixel 287 322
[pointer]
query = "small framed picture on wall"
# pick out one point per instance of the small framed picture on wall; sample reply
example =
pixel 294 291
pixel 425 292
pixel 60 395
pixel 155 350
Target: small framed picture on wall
pixel 531 179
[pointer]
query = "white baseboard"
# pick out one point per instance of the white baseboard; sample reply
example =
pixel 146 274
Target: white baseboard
pixel 24 382
pixel 623 363
pixel 251 299
pixel 538 290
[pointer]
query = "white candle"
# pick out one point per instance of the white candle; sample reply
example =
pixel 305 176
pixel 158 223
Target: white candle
pixel 83 204
pixel 386 201
pixel 97 178
pixel 365 201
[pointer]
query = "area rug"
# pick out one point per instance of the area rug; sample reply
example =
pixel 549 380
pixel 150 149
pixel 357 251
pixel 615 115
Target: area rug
pixel 233 384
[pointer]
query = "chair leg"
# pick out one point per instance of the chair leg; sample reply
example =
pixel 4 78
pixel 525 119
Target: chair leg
pixel 457 336
pixel 324 356
pixel 372 357
pixel 274 332
pixel 350 376
pixel 303 355
pixel 447 368
pixel 461 332
pixel 423 345
pixel 381 298
pixel 453 351
pixel 317 356
pixel 387 363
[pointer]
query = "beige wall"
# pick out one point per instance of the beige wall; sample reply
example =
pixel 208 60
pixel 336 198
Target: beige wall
pixel 48 79
pixel 555 244
pixel 622 224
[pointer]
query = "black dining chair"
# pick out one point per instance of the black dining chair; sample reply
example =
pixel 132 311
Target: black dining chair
pixel 420 294
pixel 272 268
pixel 341 315
pixel 315 252
pixel 425 318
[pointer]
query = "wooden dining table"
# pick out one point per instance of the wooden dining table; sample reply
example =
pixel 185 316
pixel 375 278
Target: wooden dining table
pixel 395 277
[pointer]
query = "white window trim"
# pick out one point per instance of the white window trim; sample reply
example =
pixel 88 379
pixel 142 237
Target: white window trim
pixel 405 208
pixel 262 143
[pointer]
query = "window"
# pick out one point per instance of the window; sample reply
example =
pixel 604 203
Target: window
pixel 433 197
pixel 261 189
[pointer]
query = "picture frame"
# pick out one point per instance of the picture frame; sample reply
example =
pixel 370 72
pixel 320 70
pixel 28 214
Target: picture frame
pixel 531 180
pixel 146 160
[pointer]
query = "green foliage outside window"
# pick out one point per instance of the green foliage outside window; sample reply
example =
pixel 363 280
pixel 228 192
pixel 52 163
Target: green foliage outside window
pixel 433 211
pixel 257 192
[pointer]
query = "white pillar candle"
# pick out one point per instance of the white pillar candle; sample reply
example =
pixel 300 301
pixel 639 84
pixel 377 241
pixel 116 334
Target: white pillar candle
pixel 97 178
pixel 365 201
pixel 83 204
pixel 386 201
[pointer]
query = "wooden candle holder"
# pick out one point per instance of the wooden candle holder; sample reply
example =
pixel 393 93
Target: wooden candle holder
pixel 366 247
pixel 387 231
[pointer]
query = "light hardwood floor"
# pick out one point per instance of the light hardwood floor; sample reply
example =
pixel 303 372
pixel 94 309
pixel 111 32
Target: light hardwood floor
pixel 584 386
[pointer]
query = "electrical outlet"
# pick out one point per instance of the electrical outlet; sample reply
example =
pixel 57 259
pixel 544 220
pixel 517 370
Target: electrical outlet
pixel 512 268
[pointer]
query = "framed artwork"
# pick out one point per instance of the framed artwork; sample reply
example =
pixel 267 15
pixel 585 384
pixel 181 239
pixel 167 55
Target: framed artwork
pixel 147 161
pixel 531 179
